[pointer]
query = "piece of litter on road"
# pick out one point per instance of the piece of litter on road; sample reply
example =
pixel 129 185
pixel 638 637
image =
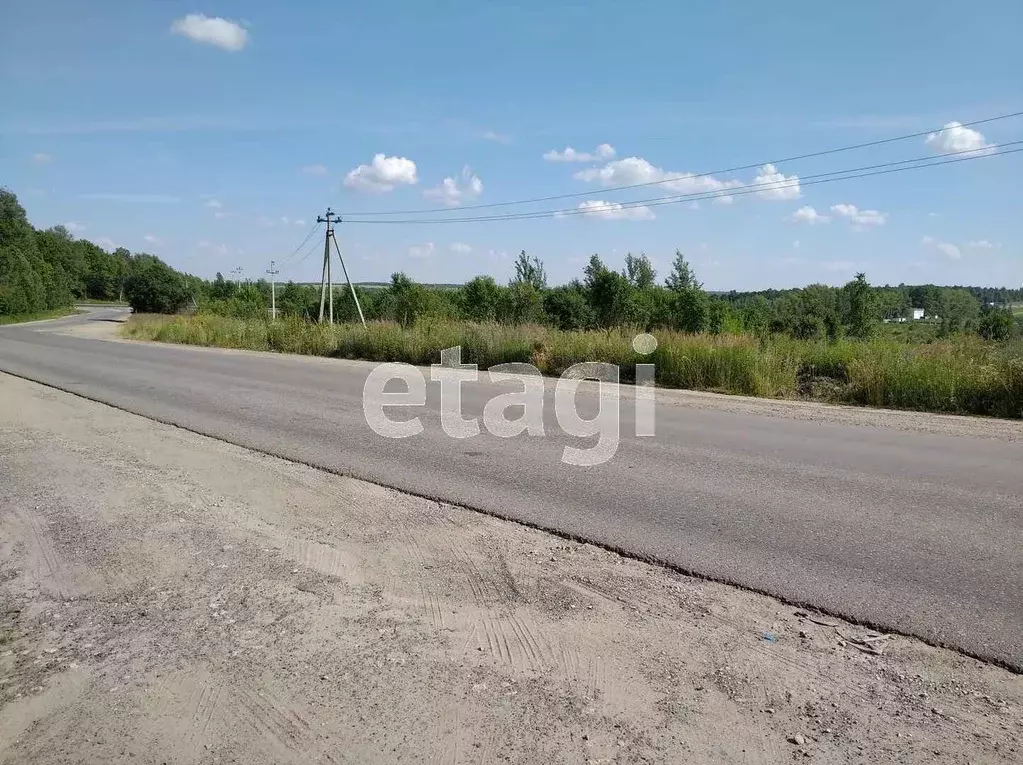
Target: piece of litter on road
pixel 770 637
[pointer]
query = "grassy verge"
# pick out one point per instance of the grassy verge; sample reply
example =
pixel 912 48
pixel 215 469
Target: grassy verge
pixel 963 376
pixel 56 313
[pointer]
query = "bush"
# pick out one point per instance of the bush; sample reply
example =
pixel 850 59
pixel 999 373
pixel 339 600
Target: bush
pixel 155 287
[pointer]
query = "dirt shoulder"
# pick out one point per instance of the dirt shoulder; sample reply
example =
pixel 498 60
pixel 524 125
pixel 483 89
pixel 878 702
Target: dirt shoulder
pixel 169 598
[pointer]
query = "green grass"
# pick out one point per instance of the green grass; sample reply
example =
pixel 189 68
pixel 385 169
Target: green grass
pixel 56 313
pixel 963 375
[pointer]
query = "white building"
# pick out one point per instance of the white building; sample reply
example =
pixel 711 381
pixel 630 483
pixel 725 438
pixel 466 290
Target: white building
pixel 918 313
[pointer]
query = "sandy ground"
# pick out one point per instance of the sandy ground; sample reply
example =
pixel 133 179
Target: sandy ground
pixel 169 598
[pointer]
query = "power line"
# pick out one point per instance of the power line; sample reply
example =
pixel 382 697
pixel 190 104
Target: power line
pixel 309 251
pixel 316 225
pixel 736 169
pixel 836 175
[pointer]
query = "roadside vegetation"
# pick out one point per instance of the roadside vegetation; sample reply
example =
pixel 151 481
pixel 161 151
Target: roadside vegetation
pixel 821 343
pixel 853 344
pixel 56 313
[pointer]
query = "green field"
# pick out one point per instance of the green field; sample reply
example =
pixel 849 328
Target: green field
pixel 963 375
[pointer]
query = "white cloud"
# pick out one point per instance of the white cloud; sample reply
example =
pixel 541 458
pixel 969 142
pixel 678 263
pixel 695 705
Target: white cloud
pixel 460 247
pixel 214 204
pixel 984 244
pixel 945 248
pixel 490 135
pixel 453 192
pixel 956 138
pixel 421 250
pixel 807 214
pixel 773 184
pixel 223 33
pixel 632 171
pixel 299 221
pixel 217 249
pixel 595 208
pixel 41 158
pixel 152 239
pixel 796 244
pixel 73 227
pixel 383 174
pixel 106 243
pixel 315 169
pixel 602 153
pixel 263 220
pixel 859 218
pixel 220 214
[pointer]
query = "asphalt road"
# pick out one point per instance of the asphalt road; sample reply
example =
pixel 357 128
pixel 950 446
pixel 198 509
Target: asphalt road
pixel 916 532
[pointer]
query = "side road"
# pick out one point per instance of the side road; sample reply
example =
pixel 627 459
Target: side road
pixel 169 598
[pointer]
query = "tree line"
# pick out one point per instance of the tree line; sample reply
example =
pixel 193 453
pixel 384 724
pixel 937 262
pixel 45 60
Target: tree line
pixel 604 298
pixel 43 270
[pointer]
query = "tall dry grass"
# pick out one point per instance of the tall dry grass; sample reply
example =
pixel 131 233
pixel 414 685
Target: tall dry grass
pixel 963 375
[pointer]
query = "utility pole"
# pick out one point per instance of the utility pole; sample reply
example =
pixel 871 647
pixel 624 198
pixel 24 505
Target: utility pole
pixel 237 274
pixel 273 289
pixel 326 282
pixel 348 279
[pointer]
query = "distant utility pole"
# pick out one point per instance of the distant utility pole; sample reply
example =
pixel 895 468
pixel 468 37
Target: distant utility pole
pixel 273 289
pixel 326 281
pixel 237 273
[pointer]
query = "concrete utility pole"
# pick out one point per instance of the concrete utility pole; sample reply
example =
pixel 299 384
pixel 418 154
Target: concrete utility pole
pixel 326 283
pixel 273 290
pixel 348 279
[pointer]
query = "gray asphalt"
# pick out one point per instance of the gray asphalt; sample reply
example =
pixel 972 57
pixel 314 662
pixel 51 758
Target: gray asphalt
pixel 912 532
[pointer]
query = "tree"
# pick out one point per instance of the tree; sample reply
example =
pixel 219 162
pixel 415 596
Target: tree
pixel 639 271
pixel 222 289
pixel 755 315
pixel 408 299
pixel 690 310
pixel 480 299
pixel 530 271
pixel 22 285
pixel 995 323
pixel 958 309
pixel 608 293
pixel 155 287
pixel 567 307
pixel 861 319
pixel 21 289
pixel 681 276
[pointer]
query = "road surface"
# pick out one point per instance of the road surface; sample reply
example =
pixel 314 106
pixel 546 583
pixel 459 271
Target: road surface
pixel 917 532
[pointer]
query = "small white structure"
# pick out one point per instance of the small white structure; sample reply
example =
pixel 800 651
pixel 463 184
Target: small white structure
pixel 918 313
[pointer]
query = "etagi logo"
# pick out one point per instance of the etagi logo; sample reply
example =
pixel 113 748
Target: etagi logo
pixel 527 398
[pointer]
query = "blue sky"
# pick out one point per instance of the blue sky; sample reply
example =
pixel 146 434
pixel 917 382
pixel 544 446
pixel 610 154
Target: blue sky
pixel 212 132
